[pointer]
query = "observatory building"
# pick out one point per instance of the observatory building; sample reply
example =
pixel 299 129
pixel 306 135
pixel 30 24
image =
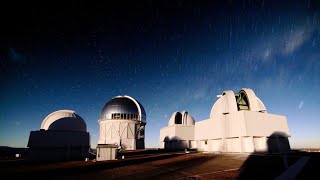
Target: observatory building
pixel 62 136
pixel 122 122
pixel 238 122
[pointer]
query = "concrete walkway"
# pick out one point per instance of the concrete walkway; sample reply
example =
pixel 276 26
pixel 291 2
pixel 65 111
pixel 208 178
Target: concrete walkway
pixel 294 170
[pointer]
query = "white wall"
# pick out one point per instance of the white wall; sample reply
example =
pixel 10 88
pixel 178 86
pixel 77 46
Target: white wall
pixel 215 145
pixel 202 146
pixel 231 145
pixel 193 144
pixel 218 125
pixel 260 144
pixel 111 131
pixel 106 154
pixel 249 123
pixel 234 125
pixel 184 132
pixel 203 129
pixel 247 144
pixel 177 132
pixel 262 124
pixel 168 132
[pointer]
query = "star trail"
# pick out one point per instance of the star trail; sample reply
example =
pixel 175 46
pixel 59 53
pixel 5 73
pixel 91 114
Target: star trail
pixel 169 55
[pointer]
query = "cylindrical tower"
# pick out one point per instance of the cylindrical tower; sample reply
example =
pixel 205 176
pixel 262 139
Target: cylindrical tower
pixel 122 122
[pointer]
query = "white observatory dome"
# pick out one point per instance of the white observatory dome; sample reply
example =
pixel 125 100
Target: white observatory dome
pixel 64 120
pixel 183 118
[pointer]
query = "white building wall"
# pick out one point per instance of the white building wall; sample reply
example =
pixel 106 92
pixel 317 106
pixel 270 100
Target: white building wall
pixel 262 124
pixel 167 133
pixel 203 129
pixel 202 145
pixel 218 125
pixel 231 145
pixel 234 125
pixel 215 145
pixel 193 144
pixel 183 134
pixel 114 131
pixel 247 144
pixel 260 144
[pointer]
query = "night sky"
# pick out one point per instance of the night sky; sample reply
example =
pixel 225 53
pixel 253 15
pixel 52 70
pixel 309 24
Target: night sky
pixel 169 55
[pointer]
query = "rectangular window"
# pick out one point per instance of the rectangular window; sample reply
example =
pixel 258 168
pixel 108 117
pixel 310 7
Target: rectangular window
pixel 117 116
pixel 121 116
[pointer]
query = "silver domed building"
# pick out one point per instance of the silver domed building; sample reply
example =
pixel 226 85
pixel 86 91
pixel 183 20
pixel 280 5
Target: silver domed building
pixel 122 122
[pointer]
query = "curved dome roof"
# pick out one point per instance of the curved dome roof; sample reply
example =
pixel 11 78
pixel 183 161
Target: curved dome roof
pixel 230 102
pixel 123 105
pixel 183 118
pixel 189 120
pixel 64 120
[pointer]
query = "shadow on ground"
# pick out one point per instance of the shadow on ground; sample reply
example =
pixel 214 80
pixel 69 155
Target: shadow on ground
pixel 278 160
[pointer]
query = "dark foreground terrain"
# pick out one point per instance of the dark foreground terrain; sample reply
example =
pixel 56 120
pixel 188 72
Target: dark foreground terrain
pixel 169 165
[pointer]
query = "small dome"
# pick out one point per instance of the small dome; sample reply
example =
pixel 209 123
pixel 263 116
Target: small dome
pixel 189 119
pixel 183 118
pixel 64 120
pixel 172 120
pixel 123 107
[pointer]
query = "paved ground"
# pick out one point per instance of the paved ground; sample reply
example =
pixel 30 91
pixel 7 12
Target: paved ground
pixel 172 166
pixel 198 166
pixel 185 166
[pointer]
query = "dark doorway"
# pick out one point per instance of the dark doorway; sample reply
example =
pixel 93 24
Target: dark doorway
pixel 178 118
